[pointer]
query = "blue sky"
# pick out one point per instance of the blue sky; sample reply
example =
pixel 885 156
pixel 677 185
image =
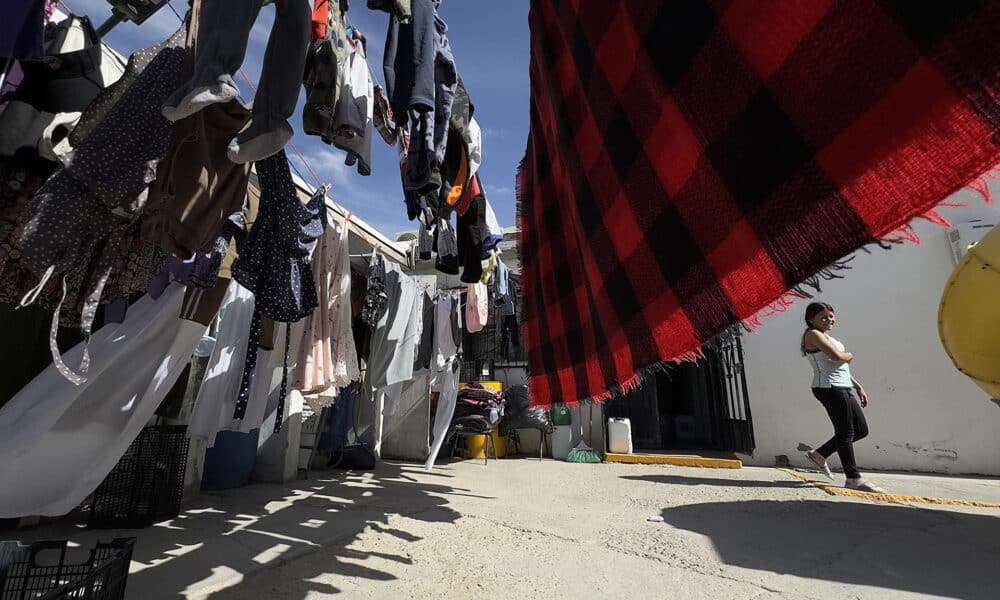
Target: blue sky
pixel 491 45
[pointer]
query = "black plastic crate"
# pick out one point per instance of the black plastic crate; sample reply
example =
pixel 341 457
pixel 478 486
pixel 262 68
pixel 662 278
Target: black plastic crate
pixel 42 571
pixel 146 485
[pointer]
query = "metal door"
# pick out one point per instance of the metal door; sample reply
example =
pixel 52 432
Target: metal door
pixel 732 425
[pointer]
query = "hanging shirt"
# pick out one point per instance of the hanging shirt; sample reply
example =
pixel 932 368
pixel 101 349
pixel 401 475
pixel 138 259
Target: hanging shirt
pixel 394 339
pixel 355 111
pixel 478 307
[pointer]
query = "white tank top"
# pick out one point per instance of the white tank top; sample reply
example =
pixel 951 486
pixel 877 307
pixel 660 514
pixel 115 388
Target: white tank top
pixel 828 372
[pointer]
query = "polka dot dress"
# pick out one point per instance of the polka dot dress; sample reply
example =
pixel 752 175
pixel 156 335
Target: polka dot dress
pixel 275 263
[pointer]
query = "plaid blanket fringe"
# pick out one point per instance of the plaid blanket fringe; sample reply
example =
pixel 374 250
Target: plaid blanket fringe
pixel 605 114
pixel 808 289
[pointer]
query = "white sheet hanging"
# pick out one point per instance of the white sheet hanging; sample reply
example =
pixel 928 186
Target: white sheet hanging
pixel 216 403
pixel 58 441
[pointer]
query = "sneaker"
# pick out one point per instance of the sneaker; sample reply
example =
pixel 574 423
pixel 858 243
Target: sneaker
pixel 862 485
pixel 820 462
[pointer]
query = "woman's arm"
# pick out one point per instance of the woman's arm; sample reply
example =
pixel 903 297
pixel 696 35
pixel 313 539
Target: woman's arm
pixel 862 394
pixel 823 344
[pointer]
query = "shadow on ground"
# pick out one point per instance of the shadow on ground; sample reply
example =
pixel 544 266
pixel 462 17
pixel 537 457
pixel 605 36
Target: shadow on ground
pixel 220 537
pixel 733 483
pixel 937 552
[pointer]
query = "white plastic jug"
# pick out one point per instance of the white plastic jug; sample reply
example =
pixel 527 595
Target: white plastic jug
pixel 619 436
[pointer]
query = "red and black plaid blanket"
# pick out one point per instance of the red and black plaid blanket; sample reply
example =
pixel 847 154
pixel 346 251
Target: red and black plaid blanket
pixel 689 162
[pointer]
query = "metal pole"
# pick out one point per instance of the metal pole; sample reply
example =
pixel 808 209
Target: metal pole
pixel 112 22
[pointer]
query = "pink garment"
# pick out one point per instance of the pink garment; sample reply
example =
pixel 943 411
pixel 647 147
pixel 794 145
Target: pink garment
pixel 477 310
pixel 327 358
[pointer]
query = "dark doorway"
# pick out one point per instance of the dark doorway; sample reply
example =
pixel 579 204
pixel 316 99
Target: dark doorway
pixel 689 406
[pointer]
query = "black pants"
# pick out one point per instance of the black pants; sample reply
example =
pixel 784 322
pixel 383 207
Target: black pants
pixel 849 426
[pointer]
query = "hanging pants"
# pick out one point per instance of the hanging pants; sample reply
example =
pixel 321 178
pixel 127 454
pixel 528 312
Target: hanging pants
pixel 447 400
pixel 223 33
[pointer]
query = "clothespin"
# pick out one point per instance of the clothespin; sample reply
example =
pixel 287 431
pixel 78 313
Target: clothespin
pixel 347 217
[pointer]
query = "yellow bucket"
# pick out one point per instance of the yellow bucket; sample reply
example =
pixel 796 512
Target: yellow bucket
pixel 475 446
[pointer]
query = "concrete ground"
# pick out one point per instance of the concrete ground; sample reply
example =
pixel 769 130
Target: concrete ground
pixel 523 528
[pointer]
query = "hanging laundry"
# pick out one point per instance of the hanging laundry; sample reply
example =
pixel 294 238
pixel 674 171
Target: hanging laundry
pixel 202 305
pixel 400 9
pixel 197 187
pixel 447 367
pixel 475 140
pixel 494 232
pixel 420 80
pixel 323 76
pixel 320 19
pixel 327 359
pixel 383 119
pixel 455 168
pixel 780 138
pixel 101 190
pixel 275 263
pixel 477 307
pixel 395 337
pixel 222 43
pixel 446 244
pixel 376 297
pixel 425 241
pixel 22 29
pixel 60 440
pixel 425 347
pixel 489 266
pixel 353 118
pixel 48 102
pixel 472 232
pixel 220 388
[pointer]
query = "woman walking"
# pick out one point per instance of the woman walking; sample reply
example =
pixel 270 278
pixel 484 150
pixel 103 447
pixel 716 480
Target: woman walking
pixel 834 386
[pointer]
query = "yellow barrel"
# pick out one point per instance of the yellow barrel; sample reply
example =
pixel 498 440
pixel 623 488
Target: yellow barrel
pixel 476 443
pixel 475 446
pixel 968 320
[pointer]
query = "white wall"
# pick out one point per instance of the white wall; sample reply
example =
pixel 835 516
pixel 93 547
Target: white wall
pixel 924 415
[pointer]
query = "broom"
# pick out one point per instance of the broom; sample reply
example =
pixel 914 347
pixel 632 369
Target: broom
pixel 584 453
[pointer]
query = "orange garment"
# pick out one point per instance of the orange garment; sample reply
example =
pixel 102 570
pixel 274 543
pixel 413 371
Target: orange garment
pixel 320 18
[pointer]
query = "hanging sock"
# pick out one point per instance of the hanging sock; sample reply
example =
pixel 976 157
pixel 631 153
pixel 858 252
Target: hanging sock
pixel 253 144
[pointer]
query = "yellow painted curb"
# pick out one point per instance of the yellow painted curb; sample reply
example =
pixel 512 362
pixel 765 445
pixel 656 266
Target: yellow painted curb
pixel 841 491
pixel 676 460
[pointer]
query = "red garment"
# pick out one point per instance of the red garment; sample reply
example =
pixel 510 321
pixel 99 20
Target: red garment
pixel 469 194
pixel 691 161
pixel 320 19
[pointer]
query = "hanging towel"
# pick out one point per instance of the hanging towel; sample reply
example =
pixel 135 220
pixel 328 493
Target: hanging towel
pixel 690 162
pixel 60 440
pixel 328 359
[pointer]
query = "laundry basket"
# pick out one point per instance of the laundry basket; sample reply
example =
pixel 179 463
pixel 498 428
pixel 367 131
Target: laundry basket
pixel 146 485
pixel 43 571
